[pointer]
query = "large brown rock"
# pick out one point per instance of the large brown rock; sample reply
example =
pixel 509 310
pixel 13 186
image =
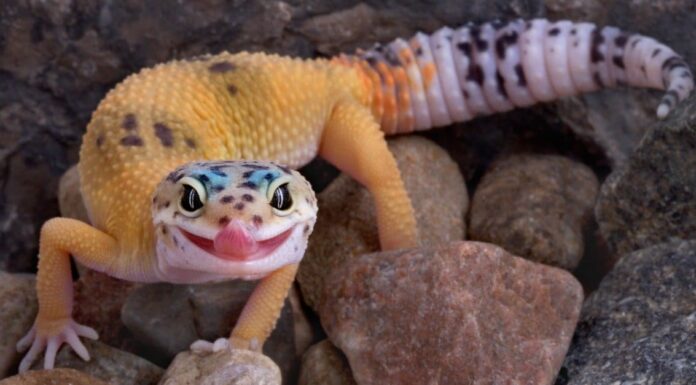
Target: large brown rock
pixel 323 364
pixel 463 313
pixel 18 308
pixel 535 206
pixel 108 364
pixel 53 377
pixel 347 227
pixel 226 367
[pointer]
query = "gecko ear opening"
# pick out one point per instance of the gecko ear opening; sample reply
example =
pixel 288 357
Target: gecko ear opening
pixel 193 197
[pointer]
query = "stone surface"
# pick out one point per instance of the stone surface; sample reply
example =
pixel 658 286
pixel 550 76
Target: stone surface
pixel 595 115
pixel 653 198
pixel 167 318
pixel 59 58
pixel 235 367
pixel 18 308
pixel 535 206
pixel 69 196
pixel 462 313
pixel 639 327
pixel 53 377
pixel 347 227
pixel 108 364
pixel 324 364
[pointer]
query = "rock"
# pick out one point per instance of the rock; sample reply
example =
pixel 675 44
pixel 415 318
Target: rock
pixel 227 367
pixel 535 206
pixel 640 325
pixel 347 227
pixel 108 364
pixel 594 115
pixel 18 308
pixel 653 198
pixel 466 312
pixel 70 196
pixel 167 318
pixel 98 302
pixel 52 377
pixel 323 364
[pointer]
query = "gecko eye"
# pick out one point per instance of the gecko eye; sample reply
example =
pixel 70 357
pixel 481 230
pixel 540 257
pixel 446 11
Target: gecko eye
pixel 282 200
pixel 193 197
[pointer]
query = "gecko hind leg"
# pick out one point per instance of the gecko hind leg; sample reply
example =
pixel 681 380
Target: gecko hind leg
pixel 54 325
pixel 353 142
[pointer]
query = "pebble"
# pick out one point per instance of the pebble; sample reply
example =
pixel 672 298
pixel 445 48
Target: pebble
pixel 18 308
pixel 324 364
pixel 53 377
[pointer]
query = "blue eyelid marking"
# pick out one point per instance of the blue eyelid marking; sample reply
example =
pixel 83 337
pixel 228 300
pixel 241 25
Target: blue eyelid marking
pixel 263 178
pixel 211 179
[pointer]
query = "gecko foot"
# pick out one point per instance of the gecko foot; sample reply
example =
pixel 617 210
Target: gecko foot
pixel 49 337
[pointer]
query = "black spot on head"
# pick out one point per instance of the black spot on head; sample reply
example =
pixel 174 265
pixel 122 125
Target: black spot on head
pixel 248 184
pixel 221 67
pixel 203 178
pixel 618 61
pixel 554 31
pixel 217 188
pixel 99 141
pixel 190 142
pixel 465 47
pixel 239 206
pixel 255 166
pixel 166 204
pixel 621 40
pixel 175 176
pixel 227 199
pixel 258 221
pixel 164 231
pixel 132 141
pixel 247 174
pixel 232 89
pixel 130 123
pixel 223 221
pixel 501 84
pixel 164 134
pixel 475 74
pixel 217 170
pixel 247 198
pixel 268 177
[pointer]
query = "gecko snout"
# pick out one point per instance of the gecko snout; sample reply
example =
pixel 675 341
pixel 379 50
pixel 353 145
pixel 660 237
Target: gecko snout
pixel 235 240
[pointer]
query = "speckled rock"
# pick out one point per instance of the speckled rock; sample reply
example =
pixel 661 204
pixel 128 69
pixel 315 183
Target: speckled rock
pixel 653 198
pixel 167 318
pixel 347 226
pixel 458 313
pixel 18 308
pixel 535 206
pixel 70 197
pixel 227 367
pixel 639 327
pixel 324 364
pixel 108 364
pixel 594 116
pixel 53 377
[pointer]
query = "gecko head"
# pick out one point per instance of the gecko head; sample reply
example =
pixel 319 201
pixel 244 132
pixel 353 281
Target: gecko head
pixel 230 219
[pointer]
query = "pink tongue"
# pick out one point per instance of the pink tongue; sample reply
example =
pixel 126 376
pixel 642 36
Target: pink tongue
pixel 235 241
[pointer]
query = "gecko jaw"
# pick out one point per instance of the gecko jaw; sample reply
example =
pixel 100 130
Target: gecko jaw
pixel 263 247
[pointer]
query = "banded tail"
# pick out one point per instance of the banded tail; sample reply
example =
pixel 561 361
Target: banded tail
pixel 456 75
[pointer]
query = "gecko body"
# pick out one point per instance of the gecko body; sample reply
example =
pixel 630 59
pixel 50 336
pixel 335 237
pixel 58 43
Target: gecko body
pixel 203 111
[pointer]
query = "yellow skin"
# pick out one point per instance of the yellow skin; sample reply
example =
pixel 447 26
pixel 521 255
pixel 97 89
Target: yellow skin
pixel 227 106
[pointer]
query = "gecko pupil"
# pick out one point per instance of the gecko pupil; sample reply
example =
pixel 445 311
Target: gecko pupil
pixel 281 198
pixel 190 201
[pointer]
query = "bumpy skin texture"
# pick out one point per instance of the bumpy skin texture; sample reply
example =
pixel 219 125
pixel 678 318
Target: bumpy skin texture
pixel 270 108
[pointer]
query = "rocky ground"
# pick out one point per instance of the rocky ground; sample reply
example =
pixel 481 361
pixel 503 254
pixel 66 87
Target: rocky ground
pixel 563 193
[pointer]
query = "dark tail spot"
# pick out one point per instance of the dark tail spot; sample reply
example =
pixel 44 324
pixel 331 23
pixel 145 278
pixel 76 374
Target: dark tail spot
pixel 475 74
pixel 554 31
pixel 618 61
pixel 501 84
pixel 597 40
pixel 521 79
pixel 621 40
pixel 465 47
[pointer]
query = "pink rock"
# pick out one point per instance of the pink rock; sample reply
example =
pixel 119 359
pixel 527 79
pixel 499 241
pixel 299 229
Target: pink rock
pixel 462 313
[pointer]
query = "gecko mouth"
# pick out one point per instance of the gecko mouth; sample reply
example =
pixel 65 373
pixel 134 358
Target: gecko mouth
pixel 264 247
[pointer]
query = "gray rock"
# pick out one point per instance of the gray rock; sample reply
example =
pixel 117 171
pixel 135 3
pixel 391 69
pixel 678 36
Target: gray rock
pixel 53 377
pixel 466 312
pixel 324 364
pixel 167 318
pixel 18 308
pixel 653 198
pixel 347 227
pixel 226 367
pixel 108 364
pixel 70 196
pixel 639 327
pixel 535 206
